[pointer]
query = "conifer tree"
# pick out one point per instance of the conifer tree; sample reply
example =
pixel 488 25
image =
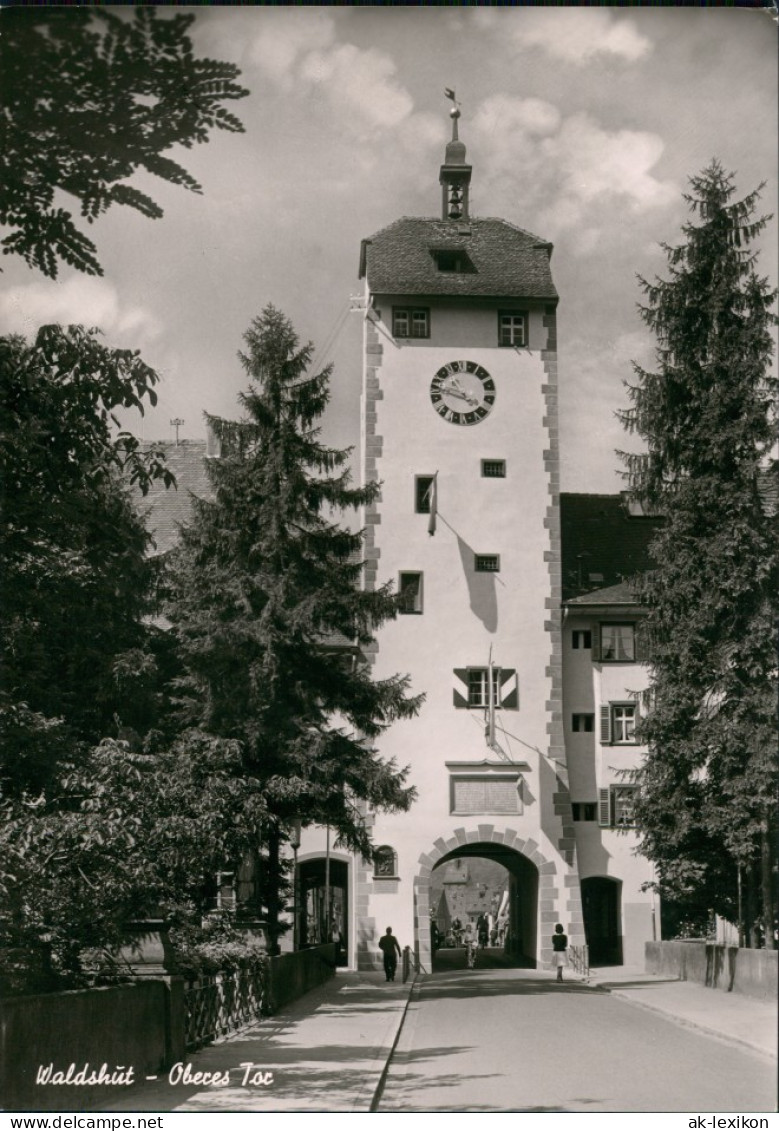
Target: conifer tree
pixel 707 802
pixel 266 583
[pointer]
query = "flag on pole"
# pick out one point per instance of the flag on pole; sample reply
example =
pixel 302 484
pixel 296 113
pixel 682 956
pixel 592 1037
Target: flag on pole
pixel 432 495
pixel 449 94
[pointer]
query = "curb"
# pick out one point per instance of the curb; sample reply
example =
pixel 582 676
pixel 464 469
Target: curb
pixel 379 1089
pixel 725 1038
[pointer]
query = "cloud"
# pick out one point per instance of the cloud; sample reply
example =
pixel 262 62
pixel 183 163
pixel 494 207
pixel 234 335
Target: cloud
pixel 360 85
pixel 571 172
pixel 285 35
pixel 297 51
pixel 578 35
pixel 80 299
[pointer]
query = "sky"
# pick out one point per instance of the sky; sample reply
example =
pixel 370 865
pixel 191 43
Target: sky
pixel 582 126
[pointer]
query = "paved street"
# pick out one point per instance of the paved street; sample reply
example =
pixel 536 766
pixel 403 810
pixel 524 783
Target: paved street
pixel 504 1039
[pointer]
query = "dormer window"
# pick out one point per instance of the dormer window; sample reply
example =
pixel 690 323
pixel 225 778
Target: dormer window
pixel 455 262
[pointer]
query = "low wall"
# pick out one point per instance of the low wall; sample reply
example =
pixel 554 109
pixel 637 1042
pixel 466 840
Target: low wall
pixel 133 1030
pixel 292 975
pixel 729 968
pixel 114 1026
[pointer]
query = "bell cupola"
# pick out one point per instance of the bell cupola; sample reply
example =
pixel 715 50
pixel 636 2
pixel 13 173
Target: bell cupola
pixel 455 177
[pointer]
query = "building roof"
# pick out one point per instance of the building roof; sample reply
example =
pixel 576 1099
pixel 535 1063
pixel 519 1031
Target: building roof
pixel 507 261
pixel 603 545
pixel 166 510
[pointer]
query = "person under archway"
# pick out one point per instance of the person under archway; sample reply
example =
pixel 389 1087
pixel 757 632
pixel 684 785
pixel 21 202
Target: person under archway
pixel 390 949
pixel 560 947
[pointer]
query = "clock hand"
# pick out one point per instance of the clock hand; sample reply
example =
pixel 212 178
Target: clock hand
pixel 456 391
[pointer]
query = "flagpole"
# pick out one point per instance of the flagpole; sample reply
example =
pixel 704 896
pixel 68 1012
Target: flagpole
pixel 490 702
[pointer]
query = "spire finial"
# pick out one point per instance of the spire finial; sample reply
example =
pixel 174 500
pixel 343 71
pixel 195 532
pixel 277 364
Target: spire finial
pixel 454 113
pixel 455 172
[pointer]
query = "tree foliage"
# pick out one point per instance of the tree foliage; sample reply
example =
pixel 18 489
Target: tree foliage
pixel 73 550
pixel 706 413
pixel 119 836
pixel 90 96
pixel 269 611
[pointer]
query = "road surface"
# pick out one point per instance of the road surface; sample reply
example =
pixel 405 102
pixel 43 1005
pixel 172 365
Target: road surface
pixel 501 1039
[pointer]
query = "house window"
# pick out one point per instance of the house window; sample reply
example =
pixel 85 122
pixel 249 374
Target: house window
pixel 581 638
pixel 410 591
pixel 478 687
pixel 485 793
pixel 618 724
pixel 493 468
pixel 511 328
pixel 585 811
pixel 410 322
pixel 455 261
pixel 617 642
pixel 471 688
pixel 487 563
pixel 616 808
pixel 385 863
pixel 582 722
pixel 423 493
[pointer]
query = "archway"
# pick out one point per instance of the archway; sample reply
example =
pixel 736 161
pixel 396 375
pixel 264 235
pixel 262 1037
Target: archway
pixel 601 903
pixel 528 871
pixel 316 922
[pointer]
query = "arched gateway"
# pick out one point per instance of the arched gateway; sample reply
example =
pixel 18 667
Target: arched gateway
pixel 534 882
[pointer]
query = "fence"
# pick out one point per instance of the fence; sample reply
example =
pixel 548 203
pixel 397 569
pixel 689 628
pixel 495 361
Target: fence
pixel 222 1003
pixel 579 960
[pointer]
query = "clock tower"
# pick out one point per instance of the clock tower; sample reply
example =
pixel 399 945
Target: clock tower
pixel 460 427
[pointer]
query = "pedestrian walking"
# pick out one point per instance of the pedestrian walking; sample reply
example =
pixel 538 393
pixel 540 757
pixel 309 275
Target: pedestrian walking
pixel 390 948
pixel 469 938
pixel 559 946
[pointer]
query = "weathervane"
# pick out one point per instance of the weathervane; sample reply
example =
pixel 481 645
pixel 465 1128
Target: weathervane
pixel 454 113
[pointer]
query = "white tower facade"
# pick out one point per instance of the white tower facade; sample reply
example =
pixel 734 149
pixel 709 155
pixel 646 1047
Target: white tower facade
pixel 460 426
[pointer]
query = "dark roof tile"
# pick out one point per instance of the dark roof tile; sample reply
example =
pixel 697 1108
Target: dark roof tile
pixel 602 543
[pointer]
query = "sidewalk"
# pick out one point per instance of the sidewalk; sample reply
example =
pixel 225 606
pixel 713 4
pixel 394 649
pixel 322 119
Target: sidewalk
pixel 733 1017
pixel 326 1052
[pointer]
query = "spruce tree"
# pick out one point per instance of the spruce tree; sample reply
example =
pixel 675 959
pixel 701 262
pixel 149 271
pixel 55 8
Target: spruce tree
pixel 270 616
pixel 707 800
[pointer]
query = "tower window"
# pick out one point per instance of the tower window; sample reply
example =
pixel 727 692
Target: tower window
pixel 410 591
pixel 410 322
pixel 582 722
pixel 493 468
pixel 478 687
pixel 512 328
pixel 585 811
pixel 581 638
pixel 453 261
pixel 487 563
pixel 423 493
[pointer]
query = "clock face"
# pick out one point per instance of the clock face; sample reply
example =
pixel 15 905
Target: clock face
pixel 462 392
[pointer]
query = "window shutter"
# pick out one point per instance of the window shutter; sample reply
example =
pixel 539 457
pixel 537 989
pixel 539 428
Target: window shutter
pixel 605 724
pixel 604 808
pixel 596 642
pixel 460 698
pixel 509 689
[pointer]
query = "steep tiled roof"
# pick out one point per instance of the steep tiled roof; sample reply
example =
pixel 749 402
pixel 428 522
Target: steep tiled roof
pixel 165 510
pixel 507 261
pixel 602 544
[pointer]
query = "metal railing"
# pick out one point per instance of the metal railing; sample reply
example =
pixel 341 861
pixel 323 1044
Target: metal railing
pixel 221 1003
pixel 579 960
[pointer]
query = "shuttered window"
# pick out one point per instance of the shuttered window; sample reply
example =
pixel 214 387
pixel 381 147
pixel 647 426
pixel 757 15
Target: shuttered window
pixel 616 807
pixel 618 724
